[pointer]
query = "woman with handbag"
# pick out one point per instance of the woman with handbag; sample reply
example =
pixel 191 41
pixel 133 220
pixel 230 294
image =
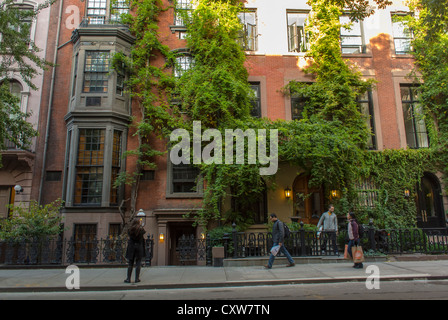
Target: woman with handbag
pixel 136 249
pixel 353 235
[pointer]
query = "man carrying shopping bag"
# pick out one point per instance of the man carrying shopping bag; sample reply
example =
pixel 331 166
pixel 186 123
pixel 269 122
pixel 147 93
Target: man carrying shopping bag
pixel 278 236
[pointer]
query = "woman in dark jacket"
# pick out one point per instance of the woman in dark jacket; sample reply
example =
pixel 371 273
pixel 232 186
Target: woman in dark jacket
pixel 353 235
pixel 136 249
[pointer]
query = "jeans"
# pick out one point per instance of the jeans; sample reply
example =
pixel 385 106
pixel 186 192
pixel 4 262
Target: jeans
pixel 284 251
pixel 352 243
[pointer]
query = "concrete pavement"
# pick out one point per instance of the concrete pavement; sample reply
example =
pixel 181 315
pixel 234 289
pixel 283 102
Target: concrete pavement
pixel 99 279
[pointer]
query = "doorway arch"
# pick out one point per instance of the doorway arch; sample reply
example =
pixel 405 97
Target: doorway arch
pixel 430 212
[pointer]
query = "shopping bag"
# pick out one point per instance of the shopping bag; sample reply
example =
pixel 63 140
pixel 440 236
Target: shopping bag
pixel 358 254
pixel 346 254
pixel 275 250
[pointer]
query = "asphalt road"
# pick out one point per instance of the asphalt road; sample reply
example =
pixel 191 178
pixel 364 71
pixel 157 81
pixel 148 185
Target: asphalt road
pixel 388 290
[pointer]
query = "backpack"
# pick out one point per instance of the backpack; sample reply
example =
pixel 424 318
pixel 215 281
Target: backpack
pixel 286 230
pixel 361 230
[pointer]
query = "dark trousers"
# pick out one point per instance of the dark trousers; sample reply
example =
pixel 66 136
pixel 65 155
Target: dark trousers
pixel 138 267
pixel 331 237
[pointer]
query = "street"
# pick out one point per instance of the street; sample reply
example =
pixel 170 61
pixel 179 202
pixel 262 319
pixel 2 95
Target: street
pixel 389 290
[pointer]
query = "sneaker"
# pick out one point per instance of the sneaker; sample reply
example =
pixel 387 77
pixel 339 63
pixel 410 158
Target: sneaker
pixel 267 267
pixel 290 265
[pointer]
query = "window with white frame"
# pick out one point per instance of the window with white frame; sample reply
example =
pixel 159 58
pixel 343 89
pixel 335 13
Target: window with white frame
pixel 297 31
pixel 402 35
pixel 352 39
pixel 248 35
pixel 182 8
pixel 106 11
pixel 183 63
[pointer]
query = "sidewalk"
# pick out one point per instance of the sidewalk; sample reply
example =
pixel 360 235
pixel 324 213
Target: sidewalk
pixel 99 279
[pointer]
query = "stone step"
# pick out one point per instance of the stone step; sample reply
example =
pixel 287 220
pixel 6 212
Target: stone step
pixel 262 261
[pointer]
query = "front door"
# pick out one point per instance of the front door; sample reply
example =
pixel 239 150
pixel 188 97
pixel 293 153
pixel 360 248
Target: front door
pixel 308 202
pixel 430 213
pixel 179 232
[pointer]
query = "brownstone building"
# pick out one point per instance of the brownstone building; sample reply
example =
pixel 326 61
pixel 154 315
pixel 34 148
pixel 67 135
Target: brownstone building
pixel 89 113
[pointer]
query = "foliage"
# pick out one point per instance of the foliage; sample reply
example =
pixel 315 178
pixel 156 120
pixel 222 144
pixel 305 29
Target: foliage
pixel 430 43
pixel 33 222
pixel 149 85
pixel 17 53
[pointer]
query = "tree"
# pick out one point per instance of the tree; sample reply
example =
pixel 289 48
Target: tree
pixel 17 52
pixel 33 222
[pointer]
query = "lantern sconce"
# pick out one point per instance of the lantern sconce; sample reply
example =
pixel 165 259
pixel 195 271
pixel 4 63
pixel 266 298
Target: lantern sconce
pixel 18 189
pixel 141 215
pixel 161 237
pixel 287 193
pixel 334 194
pixel 407 193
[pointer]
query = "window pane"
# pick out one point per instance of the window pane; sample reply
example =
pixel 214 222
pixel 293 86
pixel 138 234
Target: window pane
pixel 96 70
pixel 89 168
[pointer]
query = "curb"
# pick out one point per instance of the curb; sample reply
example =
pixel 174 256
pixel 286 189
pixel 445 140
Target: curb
pixel 247 283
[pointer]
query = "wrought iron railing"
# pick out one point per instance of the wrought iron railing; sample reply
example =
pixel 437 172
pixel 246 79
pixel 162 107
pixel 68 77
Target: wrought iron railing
pixel 65 252
pixel 309 243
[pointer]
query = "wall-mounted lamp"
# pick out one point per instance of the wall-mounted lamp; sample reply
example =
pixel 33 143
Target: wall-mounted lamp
pixel 141 215
pixel 161 237
pixel 287 193
pixel 407 193
pixel 18 189
pixel 202 236
pixel 334 194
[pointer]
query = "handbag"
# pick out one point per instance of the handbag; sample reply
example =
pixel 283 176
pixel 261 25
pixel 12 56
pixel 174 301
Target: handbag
pixel 358 254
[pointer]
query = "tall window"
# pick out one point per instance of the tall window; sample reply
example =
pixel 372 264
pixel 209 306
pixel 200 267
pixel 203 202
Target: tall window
pixel 89 167
pixel 116 166
pixel 248 36
pixel 297 32
pixel 96 69
pixel 414 120
pixel 182 7
pixel 402 36
pixel 256 102
pixel 366 107
pixel 352 40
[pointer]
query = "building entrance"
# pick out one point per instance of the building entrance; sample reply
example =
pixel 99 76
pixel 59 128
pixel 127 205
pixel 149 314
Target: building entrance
pixel 182 243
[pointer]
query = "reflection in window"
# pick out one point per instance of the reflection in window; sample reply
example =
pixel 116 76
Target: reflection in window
pixel 402 36
pixel 89 167
pixel 297 32
pixel 248 35
pixel 414 120
pixel 96 71
pixel 351 39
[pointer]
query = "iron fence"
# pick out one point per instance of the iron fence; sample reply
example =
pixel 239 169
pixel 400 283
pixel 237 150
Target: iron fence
pixel 310 243
pixel 51 251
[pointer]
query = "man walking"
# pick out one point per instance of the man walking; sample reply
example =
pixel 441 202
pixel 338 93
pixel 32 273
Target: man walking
pixel 330 229
pixel 278 236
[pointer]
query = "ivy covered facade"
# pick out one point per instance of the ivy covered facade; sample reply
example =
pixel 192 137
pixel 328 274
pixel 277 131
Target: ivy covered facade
pixel 351 127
